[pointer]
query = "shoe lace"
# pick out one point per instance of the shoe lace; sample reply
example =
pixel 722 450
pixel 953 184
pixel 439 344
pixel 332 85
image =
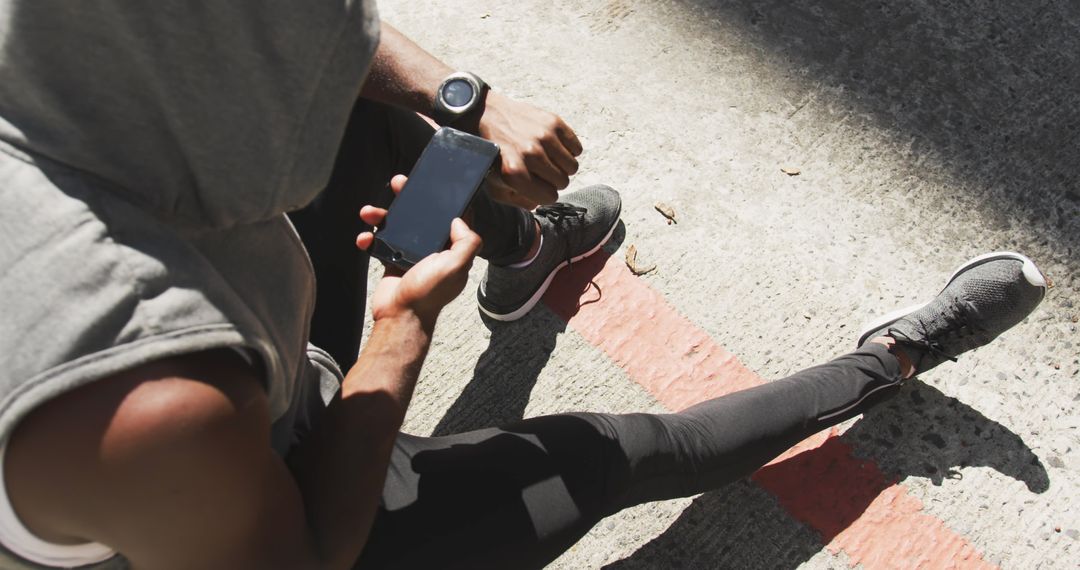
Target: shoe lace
pixel 561 216
pixel 926 344
pixel 958 327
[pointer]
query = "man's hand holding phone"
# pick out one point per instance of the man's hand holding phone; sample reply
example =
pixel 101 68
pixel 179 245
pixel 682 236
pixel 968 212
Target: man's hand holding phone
pixel 429 285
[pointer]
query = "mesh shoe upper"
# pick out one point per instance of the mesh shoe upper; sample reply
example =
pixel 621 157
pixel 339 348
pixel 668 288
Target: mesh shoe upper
pixel 984 298
pixel 574 228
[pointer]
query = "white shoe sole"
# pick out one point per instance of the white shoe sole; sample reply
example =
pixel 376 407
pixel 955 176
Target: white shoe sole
pixel 1031 274
pixel 524 309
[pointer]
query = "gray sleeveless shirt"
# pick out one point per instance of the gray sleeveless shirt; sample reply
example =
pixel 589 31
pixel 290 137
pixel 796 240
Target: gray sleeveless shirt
pixel 148 152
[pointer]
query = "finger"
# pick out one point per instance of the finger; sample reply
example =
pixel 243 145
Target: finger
pixel 568 137
pixel 464 241
pixel 540 167
pixel 560 156
pixel 372 216
pixel 515 199
pixel 398 182
pixel 516 176
pixel 500 191
pixel 531 195
pixel 364 240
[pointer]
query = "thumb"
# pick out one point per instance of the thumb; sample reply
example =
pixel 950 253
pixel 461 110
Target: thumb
pixel 463 241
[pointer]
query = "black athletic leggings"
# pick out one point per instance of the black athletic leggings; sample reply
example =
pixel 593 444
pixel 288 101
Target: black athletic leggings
pixel 519 495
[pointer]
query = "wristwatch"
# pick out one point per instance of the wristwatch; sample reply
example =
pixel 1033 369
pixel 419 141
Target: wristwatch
pixel 460 96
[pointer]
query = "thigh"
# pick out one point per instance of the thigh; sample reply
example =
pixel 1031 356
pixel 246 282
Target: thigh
pixel 512 497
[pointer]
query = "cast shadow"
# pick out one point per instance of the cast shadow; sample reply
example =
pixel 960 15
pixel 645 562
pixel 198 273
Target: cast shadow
pixel 920 432
pixel 518 351
pixel 988 94
pixel 504 374
pixel 740 526
pixel 925 433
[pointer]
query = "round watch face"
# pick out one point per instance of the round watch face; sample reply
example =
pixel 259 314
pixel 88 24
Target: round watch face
pixel 458 93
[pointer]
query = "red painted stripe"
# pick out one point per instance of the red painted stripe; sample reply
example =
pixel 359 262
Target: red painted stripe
pixel 674 360
pixel 857 510
pixel 849 502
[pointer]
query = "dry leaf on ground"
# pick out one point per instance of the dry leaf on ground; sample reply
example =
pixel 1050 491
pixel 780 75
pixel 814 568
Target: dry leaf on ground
pixel 666 211
pixel 631 262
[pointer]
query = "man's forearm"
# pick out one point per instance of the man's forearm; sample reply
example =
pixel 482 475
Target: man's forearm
pixel 403 73
pixel 342 469
pixel 538 149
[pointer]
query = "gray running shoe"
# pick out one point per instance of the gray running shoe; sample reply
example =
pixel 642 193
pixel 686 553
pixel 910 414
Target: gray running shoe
pixel 984 297
pixel 573 229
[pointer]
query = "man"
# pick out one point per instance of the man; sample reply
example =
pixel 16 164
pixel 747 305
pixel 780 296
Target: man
pixel 160 403
pixel 385 136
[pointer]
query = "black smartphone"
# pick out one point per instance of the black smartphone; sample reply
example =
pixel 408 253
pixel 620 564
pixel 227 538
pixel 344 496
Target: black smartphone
pixel 440 187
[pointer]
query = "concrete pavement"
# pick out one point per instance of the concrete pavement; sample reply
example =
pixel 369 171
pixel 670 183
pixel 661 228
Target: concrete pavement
pixel 923 133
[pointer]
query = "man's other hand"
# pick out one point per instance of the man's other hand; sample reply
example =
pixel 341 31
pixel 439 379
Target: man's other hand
pixel 539 151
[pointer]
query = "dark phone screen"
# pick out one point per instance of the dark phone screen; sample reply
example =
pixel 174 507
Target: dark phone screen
pixel 440 187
